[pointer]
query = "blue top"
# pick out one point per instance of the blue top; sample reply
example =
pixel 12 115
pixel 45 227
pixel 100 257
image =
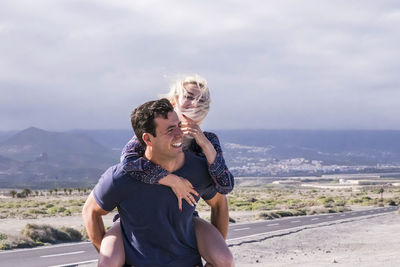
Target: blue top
pixel 154 231
pixel 150 173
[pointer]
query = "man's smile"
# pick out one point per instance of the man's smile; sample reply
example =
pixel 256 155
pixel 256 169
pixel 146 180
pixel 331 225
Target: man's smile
pixel 177 144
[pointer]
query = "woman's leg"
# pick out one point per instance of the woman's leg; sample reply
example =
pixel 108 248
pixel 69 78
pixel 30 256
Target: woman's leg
pixel 211 244
pixel 112 251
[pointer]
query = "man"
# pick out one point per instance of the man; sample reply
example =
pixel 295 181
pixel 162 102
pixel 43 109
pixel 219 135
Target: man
pixel 155 231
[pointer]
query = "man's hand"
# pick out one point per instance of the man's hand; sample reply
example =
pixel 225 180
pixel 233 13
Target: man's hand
pixel 181 187
pixel 219 213
pixel 91 214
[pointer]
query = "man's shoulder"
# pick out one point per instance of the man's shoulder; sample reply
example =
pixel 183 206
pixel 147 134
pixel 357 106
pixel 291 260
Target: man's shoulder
pixel 115 172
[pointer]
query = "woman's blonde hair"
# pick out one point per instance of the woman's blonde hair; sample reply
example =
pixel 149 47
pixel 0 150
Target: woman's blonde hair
pixel 202 101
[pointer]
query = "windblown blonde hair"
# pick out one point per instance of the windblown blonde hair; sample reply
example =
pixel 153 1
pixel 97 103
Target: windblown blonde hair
pixel 202 101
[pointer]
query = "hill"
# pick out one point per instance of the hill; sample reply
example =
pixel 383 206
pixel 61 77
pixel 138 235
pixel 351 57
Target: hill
pixel 44 159
pixel 7 164
pixel 30 143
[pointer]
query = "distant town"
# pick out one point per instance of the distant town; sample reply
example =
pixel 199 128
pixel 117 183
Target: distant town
pixel 254 161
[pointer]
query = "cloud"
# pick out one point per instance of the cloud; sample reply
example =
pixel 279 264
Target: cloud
pixel 287 64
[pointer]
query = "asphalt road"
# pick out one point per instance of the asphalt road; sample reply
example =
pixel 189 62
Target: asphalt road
pixel 73 254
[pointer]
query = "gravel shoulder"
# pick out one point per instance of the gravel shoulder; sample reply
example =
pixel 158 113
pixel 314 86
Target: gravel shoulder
pixel 371 241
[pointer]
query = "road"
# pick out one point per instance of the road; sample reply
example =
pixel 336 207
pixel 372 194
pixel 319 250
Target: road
pixel 72 254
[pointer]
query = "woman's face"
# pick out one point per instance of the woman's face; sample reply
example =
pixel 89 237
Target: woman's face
pixel 189 97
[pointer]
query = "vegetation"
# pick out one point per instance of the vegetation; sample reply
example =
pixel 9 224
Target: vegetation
pixel 271 201
pixel 41 234
pixel 42 204
pixel 13 193
pixel 36 235
pixel 263 202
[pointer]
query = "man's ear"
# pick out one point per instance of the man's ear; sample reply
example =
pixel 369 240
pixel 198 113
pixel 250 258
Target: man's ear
pixel 147 139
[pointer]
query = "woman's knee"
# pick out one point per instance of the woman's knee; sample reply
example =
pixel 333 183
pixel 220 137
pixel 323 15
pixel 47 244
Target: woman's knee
pixel 224 259
pixel 105 261
pixel 211 245
pixel 112 249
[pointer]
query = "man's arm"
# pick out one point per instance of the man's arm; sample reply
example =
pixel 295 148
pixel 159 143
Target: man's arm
pixel 219 213
pixel 91 214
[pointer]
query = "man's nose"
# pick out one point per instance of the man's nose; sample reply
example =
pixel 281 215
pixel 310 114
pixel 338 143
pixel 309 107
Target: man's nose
pixel 178 131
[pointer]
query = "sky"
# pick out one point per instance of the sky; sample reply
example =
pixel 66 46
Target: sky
pixel 74 64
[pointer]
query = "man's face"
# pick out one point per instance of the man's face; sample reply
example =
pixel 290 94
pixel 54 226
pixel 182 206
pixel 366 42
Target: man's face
pixel 168 140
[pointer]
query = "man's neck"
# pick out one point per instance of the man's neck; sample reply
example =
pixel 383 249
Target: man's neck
pixel 167 163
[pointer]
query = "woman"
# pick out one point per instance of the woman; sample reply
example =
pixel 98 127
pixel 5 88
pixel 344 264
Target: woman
pixel 191 100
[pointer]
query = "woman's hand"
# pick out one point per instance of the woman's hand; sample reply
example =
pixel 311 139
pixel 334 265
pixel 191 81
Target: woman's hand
pixel 181 187
pixel 189 127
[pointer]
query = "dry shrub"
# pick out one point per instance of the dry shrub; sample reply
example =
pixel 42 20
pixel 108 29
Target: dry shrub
pixel 11 242
pixel 48 234
pixel 73 234
pixel 3 236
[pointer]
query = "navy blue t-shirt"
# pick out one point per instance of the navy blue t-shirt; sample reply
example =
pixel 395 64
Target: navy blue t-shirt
pixel 155 232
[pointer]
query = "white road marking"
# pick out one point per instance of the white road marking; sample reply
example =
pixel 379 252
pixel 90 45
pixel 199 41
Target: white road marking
pixel 242 237
pixel 273 224
pixel 46 247
pixel 342 215
pixel 74 263
pixel 330 216
pixel 314 219
pixel 241 229
pixel 63 254
pixel 295 221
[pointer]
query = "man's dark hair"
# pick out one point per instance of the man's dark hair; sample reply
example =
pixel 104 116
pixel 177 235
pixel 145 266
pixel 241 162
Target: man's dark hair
pixel 142 118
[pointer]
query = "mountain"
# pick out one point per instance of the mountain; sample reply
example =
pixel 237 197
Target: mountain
pixel 34 140
pixel 349 147
pixel 7 164
pixel 43 158
pixel 56 147
pixel 113 139
pixel 6 134
pixel 324 140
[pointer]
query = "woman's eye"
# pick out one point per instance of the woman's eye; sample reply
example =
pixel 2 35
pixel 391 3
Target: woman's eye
pixel 189 97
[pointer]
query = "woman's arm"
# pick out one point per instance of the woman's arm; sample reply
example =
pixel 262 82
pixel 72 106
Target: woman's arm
pixel 208 144
pixel 147 172
pixel 219 172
